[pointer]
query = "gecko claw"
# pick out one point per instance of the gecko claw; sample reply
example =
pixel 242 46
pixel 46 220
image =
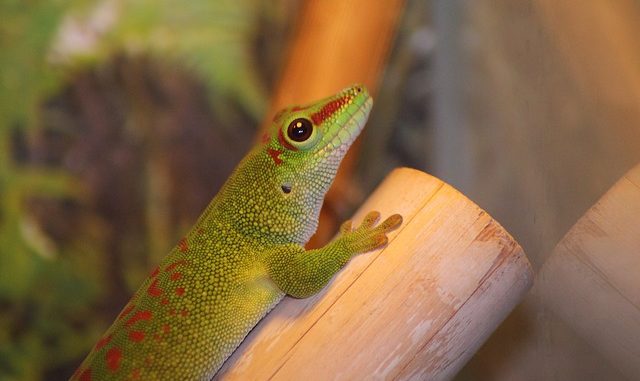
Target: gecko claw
pixel 369 236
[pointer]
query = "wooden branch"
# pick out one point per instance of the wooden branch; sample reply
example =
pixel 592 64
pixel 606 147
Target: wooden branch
pixel 592 279
pixel 417 309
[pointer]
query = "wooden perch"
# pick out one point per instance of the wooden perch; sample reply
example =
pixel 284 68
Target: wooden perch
pixel 592 278
pixel 417 309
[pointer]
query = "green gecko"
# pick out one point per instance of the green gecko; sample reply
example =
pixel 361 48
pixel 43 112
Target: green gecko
pixel 244 253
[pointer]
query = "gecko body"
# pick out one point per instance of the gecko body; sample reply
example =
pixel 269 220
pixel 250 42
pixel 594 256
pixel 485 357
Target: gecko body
pixel 244 253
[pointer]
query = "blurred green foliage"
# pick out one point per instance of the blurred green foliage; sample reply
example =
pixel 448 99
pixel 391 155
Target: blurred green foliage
pixel 214 38
pixel 52 289
pixel 34 287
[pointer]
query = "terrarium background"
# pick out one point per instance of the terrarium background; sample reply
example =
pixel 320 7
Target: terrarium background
pixel 120 119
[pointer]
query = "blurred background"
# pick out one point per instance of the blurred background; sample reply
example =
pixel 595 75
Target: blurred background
pixel 120 119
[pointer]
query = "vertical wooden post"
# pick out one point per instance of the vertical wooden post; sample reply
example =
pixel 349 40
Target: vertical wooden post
pixel 337 43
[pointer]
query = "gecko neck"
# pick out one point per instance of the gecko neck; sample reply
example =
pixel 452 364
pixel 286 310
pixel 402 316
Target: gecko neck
pixel 254 203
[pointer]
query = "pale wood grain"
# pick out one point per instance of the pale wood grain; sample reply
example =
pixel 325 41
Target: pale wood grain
pixel 592 279
pixel 417 309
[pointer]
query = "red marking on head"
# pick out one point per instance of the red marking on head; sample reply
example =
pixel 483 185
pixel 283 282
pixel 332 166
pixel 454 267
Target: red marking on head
pixel 275 155
pixel 153 289
pixel 182 245
pixel 329 109
pixel 155 272
pixel 176 276
pixel 102 342
pixel 180 291
pixel 172 266
pixel 284 142
pixel 265 138
pixel 113 357
pixel 164 301
pixel 126 310
pixel 140 315
pixel 136 336
pixel 85 375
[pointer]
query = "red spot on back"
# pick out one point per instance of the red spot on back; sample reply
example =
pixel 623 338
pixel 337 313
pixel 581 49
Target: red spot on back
pixel 164 301
pixel 184 313
pixel 113 357
pixel 135 374
pixel 176 276
pixel 329 109
pixel 182 245
pixel 155 272
pixel 136 336
pixel 102 342
pixel 275 155
pixel 166 328
pixel 265 137
pixel 85 375
pixel 126 311
pixel 140 315
pixel 172 266
pixel 180 291
pixel 153 289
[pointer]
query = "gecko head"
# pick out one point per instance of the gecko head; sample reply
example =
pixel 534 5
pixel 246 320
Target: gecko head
pixel 306 144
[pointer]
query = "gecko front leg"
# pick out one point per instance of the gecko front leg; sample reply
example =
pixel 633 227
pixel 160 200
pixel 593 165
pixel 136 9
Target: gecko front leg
pixel 302 273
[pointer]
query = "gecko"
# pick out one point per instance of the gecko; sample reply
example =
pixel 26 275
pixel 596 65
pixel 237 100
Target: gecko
pixel 245 252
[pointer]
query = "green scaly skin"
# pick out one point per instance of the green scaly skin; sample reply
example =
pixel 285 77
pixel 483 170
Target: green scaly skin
pixel 244 253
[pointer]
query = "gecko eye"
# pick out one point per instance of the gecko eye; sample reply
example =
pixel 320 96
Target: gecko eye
pixel 300 130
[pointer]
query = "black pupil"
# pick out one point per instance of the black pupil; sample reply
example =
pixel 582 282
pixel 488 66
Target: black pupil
pixel 300 130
